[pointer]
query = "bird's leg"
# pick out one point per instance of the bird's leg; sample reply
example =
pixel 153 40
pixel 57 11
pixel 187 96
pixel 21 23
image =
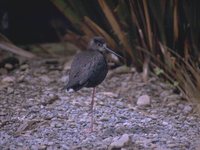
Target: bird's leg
pixel 92 109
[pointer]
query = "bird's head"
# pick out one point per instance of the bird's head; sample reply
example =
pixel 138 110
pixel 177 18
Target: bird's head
pixel 98 43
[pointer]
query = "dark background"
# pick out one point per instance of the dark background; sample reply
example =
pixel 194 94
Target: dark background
pixel 27 22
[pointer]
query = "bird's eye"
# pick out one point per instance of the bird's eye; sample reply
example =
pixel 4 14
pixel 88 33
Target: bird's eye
pixel 99 44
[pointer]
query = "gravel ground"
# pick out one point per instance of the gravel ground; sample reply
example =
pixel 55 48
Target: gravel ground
pixel 35 113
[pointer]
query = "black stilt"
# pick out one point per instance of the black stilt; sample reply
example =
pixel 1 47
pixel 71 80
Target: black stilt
pixel 89 68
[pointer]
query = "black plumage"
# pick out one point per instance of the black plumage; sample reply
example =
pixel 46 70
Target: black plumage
pixel 89 68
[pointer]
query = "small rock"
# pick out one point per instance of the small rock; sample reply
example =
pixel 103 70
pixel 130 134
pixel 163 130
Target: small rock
pixel 172 145
pixel 146 120
pixel 64 146
pixel 133 70
pixel 187 109
pixel 53 124
pixel 24 67
pixel 8 66
pixel 109 94
pixel 172 103
pixel 50 100
pixel 120 104
pixel 120 129
pixel 107 132
pixel 10 90
pixel 64 79
pixel 21 78
pixel 119 142
pixel 143 100
pixel 8 79
pixel 165 93
pixel 50 143
pixel 67 65
pixel 42 147
pixel 165 123
pixel 107 140
pixel 58 125
pixel 45 78
pixel 104 118
pixel 172 97
pixel 181 106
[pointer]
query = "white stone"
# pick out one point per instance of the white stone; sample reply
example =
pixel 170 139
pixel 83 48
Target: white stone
pixel 109 94
pixel 165 123
pixel 143 100
pixel 24 67
pixel 65 79
pixel 8 66
pixel 70 91
pixel 187 109
pixel 165 93
pixel 8 79
pixel 45 78
pixel 119 142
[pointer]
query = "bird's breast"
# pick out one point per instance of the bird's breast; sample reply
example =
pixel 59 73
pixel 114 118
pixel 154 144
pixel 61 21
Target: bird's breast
pixel 88 69
pixel 99 70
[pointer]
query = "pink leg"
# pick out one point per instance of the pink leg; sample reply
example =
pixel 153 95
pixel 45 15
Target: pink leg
pixel 92 110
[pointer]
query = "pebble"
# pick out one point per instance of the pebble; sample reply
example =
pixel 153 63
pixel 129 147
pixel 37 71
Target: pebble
pixel 120 129
pixel 165 93
pixel 146 120
pixel 24 67
pixel 120 104
pixel 67 65
pixel 107 140
pixel 64 79
pixel 21 78
pixel 171 145
pixel 143 100
pixel 42 147
pixel 110 94
pixel 8 79
pixel 119 142
pixel 104 118
pixel 172 97
pixel 165 123
pixel 50 143
pixel 58 125
pixel 8 66
pixel 181 106
pixel 45 78
pixel 187 109
pixel 10 90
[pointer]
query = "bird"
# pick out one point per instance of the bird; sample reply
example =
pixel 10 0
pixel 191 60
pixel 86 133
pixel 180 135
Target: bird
pixel 89 68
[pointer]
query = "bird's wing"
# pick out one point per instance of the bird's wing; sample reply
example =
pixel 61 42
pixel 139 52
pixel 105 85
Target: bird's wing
pixel 82 68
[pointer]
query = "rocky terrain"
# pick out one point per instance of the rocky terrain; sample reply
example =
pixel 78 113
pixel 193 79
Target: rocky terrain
pixel 36 113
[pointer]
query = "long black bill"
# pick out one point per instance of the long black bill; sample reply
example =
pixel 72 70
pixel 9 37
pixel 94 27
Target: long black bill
pixel 112 52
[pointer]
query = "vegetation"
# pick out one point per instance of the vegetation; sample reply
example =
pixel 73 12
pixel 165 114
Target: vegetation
pixel 156 35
